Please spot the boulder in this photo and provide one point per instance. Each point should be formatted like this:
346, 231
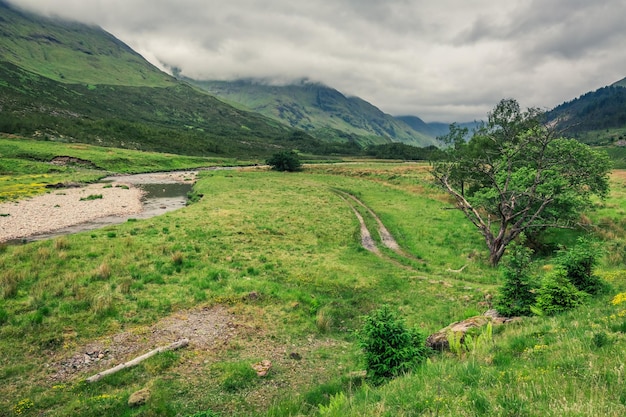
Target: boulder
439, 340
139, 398
262, 368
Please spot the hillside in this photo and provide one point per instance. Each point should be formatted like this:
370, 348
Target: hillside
620, 83
597, 117
434, 129
72, 52
319, 110
176, 119
70, 82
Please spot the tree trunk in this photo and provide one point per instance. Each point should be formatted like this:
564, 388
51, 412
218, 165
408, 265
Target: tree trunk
173, 346
496, 251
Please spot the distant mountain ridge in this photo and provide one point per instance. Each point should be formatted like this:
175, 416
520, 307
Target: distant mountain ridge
319, 110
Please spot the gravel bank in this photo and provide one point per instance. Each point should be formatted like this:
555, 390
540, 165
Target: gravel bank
63, 208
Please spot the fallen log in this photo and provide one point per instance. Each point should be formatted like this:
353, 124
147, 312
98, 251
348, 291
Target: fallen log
176, 345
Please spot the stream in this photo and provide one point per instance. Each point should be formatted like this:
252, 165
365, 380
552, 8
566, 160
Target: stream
162, 193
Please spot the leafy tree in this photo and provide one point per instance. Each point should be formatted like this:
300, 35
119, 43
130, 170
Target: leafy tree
285, 161
390, 348
517, 293
515, 174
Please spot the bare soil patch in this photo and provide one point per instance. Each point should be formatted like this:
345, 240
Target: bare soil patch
206, 329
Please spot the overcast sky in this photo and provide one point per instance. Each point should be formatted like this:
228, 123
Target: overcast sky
442, 60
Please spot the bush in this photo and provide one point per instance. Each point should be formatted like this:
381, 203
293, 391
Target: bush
557, 294
578, 262
390, 348
517, 293
285, 161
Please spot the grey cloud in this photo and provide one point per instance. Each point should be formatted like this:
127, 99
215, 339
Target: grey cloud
446, 60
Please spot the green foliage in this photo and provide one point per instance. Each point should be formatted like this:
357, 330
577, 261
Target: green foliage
579, 262
4, 316
516, 174
390, 348
557, 294
516, 294
285, 161
403, 151
600, 339
206, 413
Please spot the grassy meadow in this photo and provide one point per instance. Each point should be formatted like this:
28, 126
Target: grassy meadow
25, 169
281, 254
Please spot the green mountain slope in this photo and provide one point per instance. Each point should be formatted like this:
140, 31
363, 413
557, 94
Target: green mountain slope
620, 83
71, 82
175, 119
319, 110
597, 117
72, 52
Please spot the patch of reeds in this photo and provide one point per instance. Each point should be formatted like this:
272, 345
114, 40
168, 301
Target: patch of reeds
103, 272
102, 302
61, 243
9, 283
323, 321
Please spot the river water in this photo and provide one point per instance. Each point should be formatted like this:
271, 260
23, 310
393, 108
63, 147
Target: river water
163, 192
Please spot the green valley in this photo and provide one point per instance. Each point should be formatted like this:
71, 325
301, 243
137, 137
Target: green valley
272, 262
265, 280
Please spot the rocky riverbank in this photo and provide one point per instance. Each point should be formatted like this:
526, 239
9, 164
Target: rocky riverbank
67, 207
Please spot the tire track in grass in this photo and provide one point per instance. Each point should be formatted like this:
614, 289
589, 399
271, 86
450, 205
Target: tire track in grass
366, 237
389, 242
386, 237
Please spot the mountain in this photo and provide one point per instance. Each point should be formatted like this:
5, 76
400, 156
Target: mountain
597, 117
434, 129
72, 52
620, 83
321, 111
71, 82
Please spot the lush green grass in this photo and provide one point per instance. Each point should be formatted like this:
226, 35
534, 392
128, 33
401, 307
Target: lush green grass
293, 242
618, 153
569, 365
25, 167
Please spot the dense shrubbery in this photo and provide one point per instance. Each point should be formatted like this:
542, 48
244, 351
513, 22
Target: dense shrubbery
517, 293
565, 287
390, 348
403, 151
557, 294
578, 262
285, 161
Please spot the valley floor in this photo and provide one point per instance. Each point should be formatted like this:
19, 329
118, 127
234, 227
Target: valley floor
66, 207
